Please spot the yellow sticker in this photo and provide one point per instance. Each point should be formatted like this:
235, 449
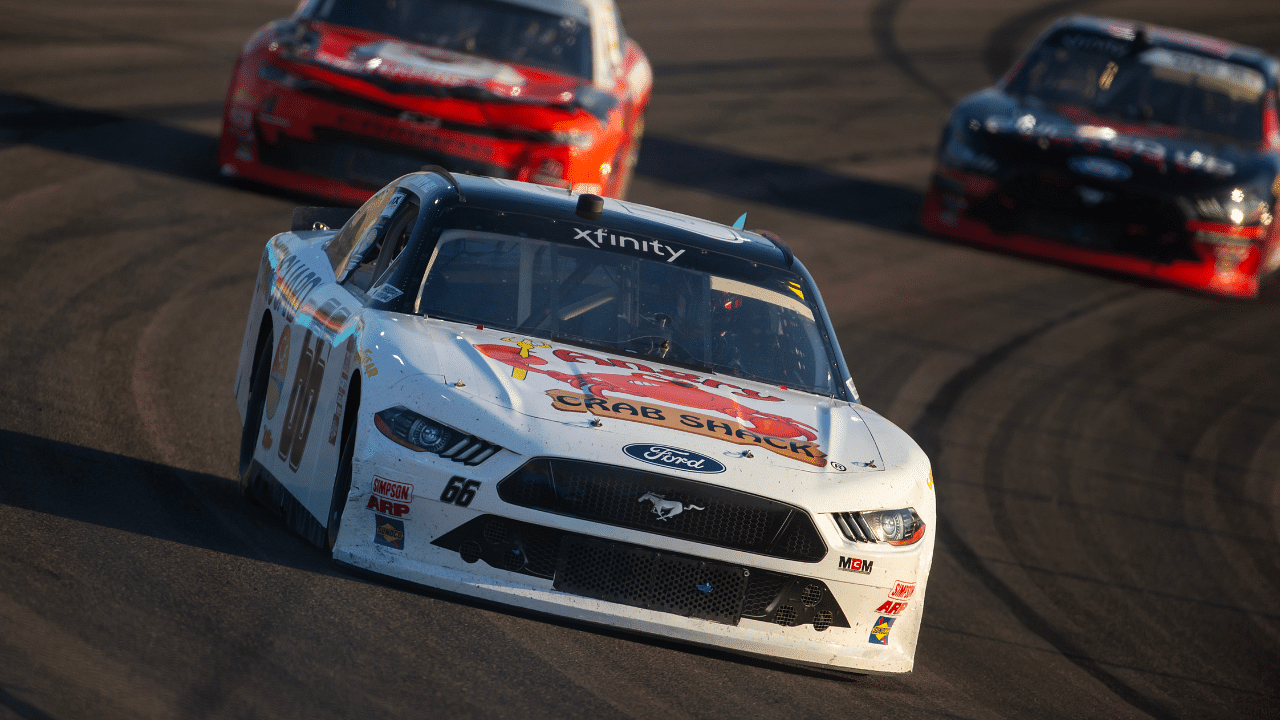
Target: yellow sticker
930, 478
795, 288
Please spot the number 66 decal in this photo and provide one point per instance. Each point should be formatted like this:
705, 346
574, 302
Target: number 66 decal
460, 492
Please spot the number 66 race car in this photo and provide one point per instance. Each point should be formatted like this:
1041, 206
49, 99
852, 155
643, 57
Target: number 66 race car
588, 408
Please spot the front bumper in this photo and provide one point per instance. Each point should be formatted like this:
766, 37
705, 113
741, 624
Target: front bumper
344, 148
1227, 268
858, 609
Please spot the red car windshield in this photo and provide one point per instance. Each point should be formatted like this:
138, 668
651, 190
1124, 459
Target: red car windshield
491, 29
1204, 97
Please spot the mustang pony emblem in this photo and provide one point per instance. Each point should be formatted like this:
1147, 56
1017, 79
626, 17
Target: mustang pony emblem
665, 508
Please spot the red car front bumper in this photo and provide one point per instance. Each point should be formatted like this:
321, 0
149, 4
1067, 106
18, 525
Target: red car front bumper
1231, 264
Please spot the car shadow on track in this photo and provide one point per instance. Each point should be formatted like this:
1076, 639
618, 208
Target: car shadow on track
206, 511
153, 146
149, 499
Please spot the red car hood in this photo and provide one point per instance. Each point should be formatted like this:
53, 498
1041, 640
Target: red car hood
384, 59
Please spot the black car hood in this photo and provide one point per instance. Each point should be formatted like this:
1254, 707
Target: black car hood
1029, 133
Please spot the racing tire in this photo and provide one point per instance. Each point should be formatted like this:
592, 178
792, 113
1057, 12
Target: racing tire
253, 416
341, 488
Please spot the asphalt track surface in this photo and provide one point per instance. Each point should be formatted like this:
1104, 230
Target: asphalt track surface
1106, 452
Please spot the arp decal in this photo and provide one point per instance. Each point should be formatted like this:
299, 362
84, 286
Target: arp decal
388, 532
388, 507
390, 497
600, 237
670, 457
880, 633
279, 368
855, 565
902, 590
777, 434
302, 400
889, 607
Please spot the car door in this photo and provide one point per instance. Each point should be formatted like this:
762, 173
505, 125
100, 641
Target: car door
327, 358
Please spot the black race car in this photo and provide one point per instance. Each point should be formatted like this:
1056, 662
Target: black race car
1135, 148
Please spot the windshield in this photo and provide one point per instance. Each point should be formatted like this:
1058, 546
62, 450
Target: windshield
487, 28
1202, 97
763, 331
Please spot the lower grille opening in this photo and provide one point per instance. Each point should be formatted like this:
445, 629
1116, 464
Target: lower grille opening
362, 162
643, 577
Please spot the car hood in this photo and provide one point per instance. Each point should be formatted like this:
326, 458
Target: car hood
400, 66
1028, 132
549, 393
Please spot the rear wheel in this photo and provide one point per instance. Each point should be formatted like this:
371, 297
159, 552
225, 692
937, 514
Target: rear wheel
341, 486
253, 414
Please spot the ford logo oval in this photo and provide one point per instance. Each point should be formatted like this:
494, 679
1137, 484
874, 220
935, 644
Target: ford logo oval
670, 457
1100, 168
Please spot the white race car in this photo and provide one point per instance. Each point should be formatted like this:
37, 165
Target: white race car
588, 408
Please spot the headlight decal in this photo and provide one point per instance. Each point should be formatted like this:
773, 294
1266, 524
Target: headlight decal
896, 527
420, 434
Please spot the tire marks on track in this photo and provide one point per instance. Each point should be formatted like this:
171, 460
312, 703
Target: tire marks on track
927, 432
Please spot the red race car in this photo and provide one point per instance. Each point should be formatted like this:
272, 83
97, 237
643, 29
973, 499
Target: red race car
1138, 149
347, 95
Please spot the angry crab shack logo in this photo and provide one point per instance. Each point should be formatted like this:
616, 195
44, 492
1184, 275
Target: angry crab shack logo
665, 398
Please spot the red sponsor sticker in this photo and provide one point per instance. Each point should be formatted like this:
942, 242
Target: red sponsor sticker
392, 489
388, 507
891, 608
902, 590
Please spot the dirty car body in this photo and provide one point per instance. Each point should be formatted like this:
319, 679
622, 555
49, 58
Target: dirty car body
347, 95
640, 419
1138, 149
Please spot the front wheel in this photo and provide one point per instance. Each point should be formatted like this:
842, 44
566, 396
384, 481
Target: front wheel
341, 488
253, 414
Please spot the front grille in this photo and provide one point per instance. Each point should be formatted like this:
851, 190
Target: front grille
643, 577
356, 102
362, 162
1057, 205
469, 450
854, 527
665, 505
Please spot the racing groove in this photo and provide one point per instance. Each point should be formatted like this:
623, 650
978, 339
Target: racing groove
1105, 452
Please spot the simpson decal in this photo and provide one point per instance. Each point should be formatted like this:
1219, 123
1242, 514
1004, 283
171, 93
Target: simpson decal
880, 633
683, 391
402, 492
388, 532
902, 590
